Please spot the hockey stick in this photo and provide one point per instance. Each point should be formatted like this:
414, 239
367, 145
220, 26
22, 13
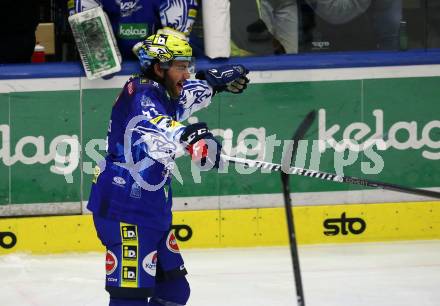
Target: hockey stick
325, 176
299, 134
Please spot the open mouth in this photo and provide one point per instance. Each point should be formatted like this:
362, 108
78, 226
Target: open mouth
179, 85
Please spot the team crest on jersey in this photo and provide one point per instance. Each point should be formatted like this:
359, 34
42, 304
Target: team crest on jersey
172, 243
149, 264
146, 101
111, 262
193, 94
158, 145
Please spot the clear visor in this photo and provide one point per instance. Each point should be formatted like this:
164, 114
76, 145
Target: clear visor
181, 64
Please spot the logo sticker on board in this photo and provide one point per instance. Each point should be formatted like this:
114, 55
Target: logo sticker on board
7, 240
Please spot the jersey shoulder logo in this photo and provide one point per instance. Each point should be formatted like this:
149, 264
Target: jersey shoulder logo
158, 145
146, 101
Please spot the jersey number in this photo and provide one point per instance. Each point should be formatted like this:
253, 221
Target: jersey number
151, 113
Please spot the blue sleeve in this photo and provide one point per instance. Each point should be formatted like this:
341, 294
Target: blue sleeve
196, 95
178, 14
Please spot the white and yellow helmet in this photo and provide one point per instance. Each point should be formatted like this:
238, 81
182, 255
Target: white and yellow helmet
163, 48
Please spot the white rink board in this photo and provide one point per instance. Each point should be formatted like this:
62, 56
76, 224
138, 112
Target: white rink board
379, 274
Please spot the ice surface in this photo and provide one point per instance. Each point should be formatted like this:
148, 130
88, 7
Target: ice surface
368, 274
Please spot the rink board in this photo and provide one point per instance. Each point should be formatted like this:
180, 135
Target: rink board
360, 103
240, 227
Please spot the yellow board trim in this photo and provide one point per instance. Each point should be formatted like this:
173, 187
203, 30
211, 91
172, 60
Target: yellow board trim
242, 227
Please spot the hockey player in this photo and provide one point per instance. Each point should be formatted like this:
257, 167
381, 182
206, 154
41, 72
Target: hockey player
135, 20
131, 196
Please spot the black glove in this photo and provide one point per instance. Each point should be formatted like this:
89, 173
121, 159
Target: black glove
231, 78
201, 145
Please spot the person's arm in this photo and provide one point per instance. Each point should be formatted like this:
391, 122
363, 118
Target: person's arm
197, 94
163, 138
178, 15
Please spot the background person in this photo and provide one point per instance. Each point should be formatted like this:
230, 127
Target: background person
281, 19
291, 26
385, 17
135, 20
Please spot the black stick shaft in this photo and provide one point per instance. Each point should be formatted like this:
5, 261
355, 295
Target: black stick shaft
293, 243
287, 160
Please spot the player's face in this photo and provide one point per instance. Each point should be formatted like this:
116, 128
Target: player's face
175, 76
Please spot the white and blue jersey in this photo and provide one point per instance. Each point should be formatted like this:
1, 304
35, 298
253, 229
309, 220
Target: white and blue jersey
133, 184
135, 20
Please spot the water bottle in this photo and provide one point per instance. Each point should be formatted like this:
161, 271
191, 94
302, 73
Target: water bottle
403, 36
39, 56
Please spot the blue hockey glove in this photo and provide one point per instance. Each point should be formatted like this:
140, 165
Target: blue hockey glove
231, 78
201, 145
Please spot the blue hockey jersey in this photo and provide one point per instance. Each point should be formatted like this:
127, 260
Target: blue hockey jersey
133, 183
135, 20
